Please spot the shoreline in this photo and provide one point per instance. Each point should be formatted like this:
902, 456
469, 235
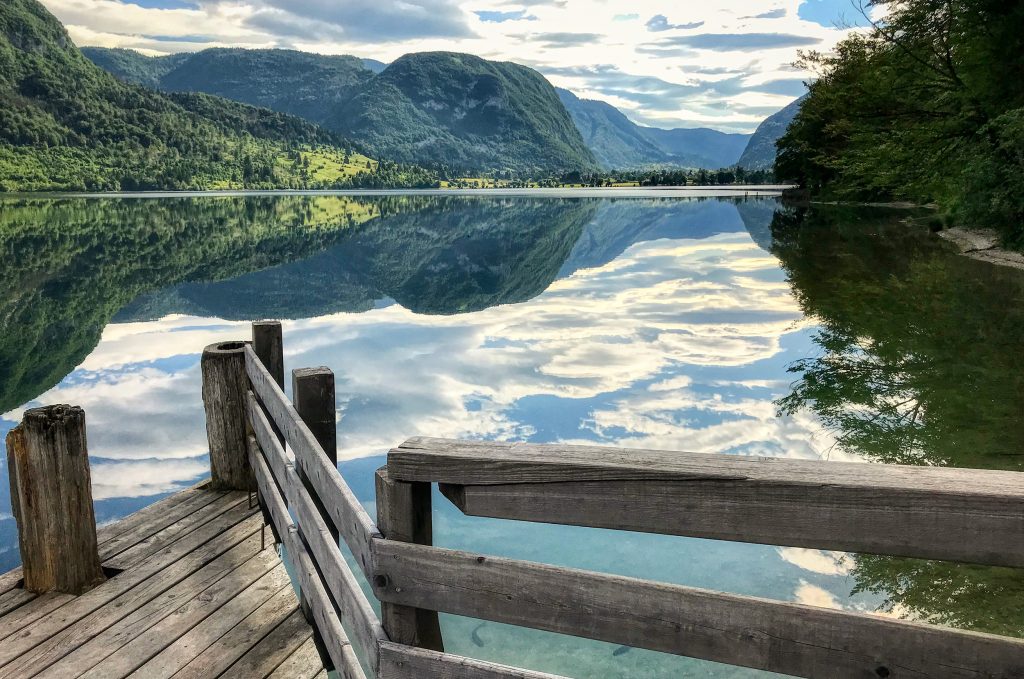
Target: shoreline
600, 192
982, 245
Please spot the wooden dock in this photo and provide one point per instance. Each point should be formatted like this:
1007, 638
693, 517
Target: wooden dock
193, 586
192, 591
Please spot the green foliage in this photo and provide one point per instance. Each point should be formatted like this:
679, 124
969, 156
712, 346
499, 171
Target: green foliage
68, 125
457, 110
927, 107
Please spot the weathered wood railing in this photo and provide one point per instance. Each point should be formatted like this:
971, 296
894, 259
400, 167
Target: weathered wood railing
962, 515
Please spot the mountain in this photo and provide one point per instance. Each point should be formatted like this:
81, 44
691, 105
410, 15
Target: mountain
619, 143
700, 147
464, 112
615, 140
430, 108
67, 124
760, 152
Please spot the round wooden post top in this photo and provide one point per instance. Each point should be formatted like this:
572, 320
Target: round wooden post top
54, 415
224, 348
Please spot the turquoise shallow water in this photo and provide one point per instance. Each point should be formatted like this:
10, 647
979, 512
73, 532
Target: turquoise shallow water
714, 325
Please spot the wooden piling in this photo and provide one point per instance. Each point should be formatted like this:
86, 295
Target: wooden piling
225, 386
314, 400
51, 498
403, 515
268, 343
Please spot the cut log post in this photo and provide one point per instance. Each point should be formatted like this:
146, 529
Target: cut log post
403, 515
225, 385
51, 498
314, 401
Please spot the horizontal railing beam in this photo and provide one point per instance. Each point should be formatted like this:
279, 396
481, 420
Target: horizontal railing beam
408, 662
949, 514
354, 609
777, 636
328, 624
344, 509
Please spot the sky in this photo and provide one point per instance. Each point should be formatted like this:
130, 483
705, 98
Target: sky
725, 64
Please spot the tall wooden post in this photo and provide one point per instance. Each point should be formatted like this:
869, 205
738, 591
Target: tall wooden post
268, 344
403, 514
314, 400
51, 497
225, 386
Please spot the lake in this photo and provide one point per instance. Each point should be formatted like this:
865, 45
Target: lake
712, 324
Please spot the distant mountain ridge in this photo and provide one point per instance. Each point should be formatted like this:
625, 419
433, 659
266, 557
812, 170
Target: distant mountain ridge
439, 108
619, 143
760, 152
436, 108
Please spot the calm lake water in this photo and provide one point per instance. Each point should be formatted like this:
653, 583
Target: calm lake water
723, 325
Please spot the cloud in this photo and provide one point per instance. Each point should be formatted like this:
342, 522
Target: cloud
770, 14
812, 595
373, 20
659, 22
726, 42
818, 561
565, 39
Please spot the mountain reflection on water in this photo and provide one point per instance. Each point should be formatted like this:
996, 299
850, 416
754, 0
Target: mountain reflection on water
715, 325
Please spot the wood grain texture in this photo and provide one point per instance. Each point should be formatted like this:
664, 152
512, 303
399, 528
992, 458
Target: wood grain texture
224, 393
341, 504
405, 662
134, 646
268, 345
780, 637
273, 649
88, 642
171, 658
233, 645
951, 514
191, 551
354, 609
304, 663
327, 622
51, 499
404, 514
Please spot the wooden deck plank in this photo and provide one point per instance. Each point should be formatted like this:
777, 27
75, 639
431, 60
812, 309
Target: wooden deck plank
198, 547
265, 656
139, 646
143, 526
304, 663
224, 652
106, 533
171, 533
14, 599
85, 643
186, 648
25, 615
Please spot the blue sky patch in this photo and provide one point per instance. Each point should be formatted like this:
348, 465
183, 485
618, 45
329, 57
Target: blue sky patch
501, 17
831, 13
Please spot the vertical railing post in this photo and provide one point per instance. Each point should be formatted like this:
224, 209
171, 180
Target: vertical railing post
225, 385
268, 345
51, 499
314, 400
403, 514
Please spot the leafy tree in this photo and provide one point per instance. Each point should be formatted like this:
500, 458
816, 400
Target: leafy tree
927, 106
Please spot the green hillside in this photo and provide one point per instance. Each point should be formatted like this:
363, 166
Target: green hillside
440, 108
66, 124
464, 112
